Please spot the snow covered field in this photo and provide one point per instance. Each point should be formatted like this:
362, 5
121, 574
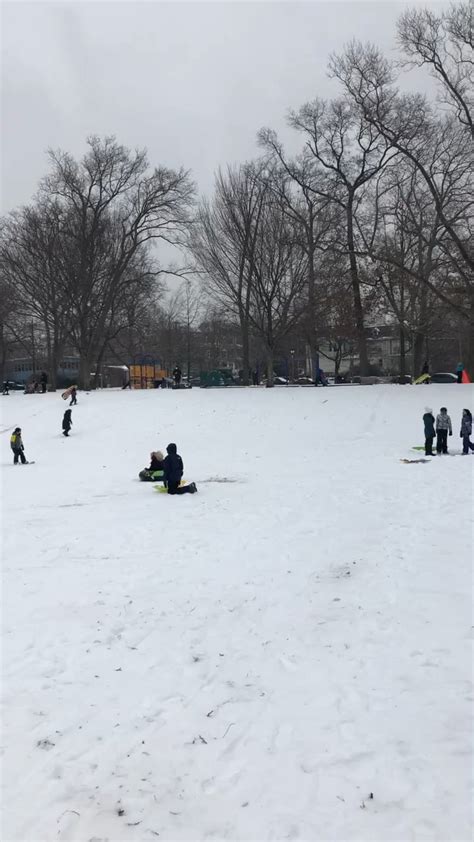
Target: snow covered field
253, 661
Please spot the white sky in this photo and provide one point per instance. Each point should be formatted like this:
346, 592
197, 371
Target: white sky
193, 82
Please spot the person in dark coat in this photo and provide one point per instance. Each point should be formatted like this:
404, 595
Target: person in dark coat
177, 374
73, 396
459, 371
429, 422
466, 430
174, 468
44, 382
6, 388
67, 422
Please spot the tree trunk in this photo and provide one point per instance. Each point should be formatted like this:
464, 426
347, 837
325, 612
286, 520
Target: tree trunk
270, 382
84, 372
469, 364
188, 353
358, 309
244, 328
418, 348
311, 328
403, 361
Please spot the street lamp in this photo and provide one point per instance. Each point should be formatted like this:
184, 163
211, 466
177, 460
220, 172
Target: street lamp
292, 352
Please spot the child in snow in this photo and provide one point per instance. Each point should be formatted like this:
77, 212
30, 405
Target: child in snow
73, 396
67, 422
155, 472
443, 426
429, 422
174, 468
16, 445
466, 430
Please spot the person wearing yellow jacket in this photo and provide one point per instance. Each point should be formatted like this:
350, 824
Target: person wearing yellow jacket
16, 444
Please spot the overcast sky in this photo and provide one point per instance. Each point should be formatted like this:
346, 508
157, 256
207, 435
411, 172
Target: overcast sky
193, 82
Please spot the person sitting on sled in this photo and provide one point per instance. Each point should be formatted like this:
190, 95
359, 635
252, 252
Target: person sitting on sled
155, 473
174, 469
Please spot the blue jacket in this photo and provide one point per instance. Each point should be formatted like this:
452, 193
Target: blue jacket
466, 425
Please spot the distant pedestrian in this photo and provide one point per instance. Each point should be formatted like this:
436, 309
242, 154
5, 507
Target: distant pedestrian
466, 431
459, 371
73, 396
177, 374
429, 422
44, 382
67, 422
16, 444
443, 426
6, 388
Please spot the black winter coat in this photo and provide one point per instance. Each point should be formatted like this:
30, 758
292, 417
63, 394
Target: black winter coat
428, 421
173, 468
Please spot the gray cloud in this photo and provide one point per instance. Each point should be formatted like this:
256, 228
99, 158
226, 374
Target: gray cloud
193, 82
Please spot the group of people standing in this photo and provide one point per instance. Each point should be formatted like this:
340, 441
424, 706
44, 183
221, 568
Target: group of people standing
442, 427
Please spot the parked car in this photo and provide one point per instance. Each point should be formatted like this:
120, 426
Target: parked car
15, 387
443, 377
304, 381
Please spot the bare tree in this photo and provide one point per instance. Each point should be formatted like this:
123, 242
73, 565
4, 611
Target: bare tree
294, 182
280, 279
223, 243
439, 148
33, 258
349, 153
444, 43
190, 309
114, 209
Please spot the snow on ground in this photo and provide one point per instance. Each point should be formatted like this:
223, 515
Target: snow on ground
251, 662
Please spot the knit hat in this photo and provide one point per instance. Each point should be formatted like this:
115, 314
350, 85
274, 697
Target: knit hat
428, 409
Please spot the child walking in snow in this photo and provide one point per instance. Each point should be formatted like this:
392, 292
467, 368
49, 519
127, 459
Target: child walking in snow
67, 422
16, 444
73, 396
443, 426
466, 430
174, 468
429, 422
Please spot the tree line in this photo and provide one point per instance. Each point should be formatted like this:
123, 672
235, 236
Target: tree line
370, 219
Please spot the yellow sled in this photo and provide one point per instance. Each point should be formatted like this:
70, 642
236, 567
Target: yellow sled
162, 489
421, 379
